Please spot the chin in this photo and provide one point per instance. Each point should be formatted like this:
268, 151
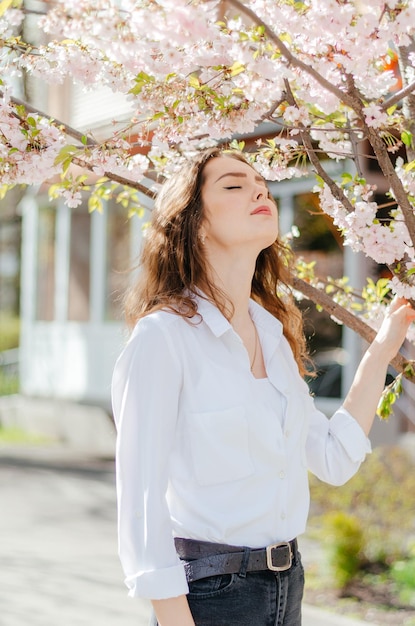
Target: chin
268, 241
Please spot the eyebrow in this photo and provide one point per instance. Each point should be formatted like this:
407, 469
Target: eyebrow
241, 175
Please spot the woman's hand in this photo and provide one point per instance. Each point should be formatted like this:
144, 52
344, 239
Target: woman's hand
392, 332
173, 612
369, 381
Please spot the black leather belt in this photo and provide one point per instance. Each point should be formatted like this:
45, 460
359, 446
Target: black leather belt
203, 559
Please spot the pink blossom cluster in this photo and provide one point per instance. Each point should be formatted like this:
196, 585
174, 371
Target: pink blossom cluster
200, 72
335, 143
10, 21
111, 43
384, 242
28, 149
118, 160
273, 159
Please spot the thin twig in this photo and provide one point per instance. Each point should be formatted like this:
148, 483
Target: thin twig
356, 324
118, 179
293, 60
75, 134
398, 96
68, 130
336, 191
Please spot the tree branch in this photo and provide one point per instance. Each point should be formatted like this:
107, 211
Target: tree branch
398, 96
343, 315
293, 60
408, 102
336, 191
68, 130
119, 179
76, 134
392, 178
385, 165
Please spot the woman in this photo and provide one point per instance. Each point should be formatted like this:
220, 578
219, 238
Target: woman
216, 428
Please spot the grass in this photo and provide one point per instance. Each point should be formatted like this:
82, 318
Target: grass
9, 384
17, 436
9, 331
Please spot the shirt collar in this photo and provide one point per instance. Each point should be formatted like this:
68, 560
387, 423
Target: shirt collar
212, 317
218, 323
264, 320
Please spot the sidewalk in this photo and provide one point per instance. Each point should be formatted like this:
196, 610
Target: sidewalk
59, 549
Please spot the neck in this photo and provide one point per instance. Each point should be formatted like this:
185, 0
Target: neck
233, 276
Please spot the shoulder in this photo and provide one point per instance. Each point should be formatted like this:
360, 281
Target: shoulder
154, 340
162, 321
160, 331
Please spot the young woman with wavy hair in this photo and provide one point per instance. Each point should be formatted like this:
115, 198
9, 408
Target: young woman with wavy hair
216, 427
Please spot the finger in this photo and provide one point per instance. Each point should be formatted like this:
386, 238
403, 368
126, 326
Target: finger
396, 303
400, 304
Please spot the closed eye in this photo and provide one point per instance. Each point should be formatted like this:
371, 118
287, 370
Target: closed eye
234, 187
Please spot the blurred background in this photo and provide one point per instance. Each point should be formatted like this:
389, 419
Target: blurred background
63, 273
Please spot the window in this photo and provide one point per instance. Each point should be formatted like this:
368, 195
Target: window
118, 260
45, 295
79, 265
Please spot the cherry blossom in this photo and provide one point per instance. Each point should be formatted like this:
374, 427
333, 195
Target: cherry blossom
314, 80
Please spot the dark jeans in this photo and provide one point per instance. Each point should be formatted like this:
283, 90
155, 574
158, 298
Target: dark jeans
258, 599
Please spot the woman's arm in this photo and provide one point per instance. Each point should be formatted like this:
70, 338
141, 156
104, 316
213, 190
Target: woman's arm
146, 389
173, 612
369, 381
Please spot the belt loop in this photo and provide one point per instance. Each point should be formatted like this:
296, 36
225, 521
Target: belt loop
244, 564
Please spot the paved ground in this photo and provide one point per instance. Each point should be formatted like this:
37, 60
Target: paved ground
58, 553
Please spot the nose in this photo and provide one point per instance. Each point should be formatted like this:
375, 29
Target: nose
260, 192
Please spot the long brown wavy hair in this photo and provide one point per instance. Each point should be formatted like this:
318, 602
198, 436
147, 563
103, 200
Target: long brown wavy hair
173, 266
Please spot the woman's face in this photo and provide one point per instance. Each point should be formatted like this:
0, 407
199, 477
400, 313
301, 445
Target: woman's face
238, 210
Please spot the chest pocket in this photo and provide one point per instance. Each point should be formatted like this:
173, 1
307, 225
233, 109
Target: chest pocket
220, 446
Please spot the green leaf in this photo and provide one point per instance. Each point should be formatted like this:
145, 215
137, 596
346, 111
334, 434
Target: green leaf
66, 152
4, 5
158, 115
237, 68
95, 204
406, 137
409, 166
194, 82
141, 80
409, 370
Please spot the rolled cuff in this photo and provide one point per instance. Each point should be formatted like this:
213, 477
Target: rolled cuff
350, 434
158, 584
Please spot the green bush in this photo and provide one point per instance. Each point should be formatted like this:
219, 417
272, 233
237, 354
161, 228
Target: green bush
344, 539
9, 332
403, 574
9, 384
381, 495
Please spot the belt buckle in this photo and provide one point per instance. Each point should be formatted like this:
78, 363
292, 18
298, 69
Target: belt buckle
289, 555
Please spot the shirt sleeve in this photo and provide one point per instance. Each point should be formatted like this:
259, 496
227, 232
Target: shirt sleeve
336, 447
145, 395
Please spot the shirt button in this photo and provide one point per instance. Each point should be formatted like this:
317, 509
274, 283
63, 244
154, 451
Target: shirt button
282, 515
282, 474
287, 433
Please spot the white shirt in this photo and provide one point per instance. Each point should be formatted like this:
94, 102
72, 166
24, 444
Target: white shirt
203, 453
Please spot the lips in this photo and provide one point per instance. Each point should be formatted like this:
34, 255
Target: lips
262, 210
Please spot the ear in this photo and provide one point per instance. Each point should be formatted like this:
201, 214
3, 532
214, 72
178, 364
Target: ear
202, 236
